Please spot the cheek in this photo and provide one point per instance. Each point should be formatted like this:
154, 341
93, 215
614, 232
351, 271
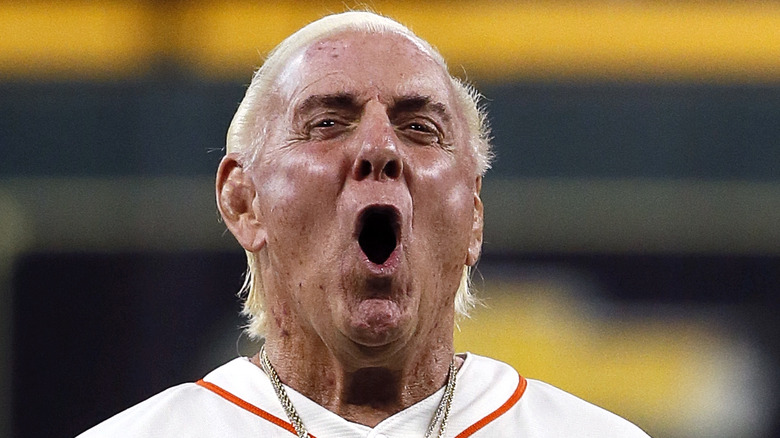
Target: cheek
446, 225
445, 197
445, 212
299, 193
276, 190
432, 167
457, 212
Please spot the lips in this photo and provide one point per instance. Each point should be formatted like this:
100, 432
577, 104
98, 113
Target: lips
378, 232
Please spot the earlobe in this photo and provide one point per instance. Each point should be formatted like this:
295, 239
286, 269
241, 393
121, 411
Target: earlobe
475, 242
236, 196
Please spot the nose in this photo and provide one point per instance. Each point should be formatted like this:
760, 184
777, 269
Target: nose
378, 157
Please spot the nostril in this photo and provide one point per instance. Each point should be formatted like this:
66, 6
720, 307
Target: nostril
392, 169
364, 169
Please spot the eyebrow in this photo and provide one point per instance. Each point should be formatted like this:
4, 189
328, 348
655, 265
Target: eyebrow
346, 101
417, 102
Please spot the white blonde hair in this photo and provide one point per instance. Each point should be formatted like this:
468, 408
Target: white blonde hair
247, 131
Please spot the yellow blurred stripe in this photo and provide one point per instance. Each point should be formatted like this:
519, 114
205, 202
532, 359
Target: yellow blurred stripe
662, 374
229, 39
630, 40
699, 41
101, 39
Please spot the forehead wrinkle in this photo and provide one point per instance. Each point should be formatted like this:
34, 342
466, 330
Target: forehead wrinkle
429, 80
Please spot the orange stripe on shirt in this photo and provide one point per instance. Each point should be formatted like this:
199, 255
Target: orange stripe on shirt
248, 406
513, 399
498, 412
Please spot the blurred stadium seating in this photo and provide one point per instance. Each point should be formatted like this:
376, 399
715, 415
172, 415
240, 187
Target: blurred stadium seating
632, 246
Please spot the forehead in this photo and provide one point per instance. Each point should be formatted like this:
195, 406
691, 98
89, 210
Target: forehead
385, 65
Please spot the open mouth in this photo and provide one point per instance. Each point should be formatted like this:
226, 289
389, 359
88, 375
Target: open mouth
378, 229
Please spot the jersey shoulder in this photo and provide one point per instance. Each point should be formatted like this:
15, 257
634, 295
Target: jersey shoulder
160, 415
187, 410
552, 409
212, 407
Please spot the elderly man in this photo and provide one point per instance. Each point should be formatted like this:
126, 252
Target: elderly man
352, 180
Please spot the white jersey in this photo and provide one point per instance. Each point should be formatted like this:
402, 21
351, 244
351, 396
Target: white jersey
491, 400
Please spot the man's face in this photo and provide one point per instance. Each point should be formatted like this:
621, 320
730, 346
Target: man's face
368, 193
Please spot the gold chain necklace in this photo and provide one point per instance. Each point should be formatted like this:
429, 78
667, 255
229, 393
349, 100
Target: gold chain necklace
440, 417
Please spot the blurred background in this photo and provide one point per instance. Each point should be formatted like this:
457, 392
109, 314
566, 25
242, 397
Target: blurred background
632, 246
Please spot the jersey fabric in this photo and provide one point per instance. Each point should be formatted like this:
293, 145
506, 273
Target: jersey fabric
491, 400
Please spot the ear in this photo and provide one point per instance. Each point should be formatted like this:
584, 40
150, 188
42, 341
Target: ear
475, 243
236, 195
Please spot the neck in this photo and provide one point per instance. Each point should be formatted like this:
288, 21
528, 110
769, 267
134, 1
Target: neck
367, 392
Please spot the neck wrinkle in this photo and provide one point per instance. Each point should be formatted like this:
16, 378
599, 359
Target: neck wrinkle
365, 395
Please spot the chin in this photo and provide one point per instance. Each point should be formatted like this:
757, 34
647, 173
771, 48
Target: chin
377, 323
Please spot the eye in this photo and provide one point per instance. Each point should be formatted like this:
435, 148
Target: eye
419, 127
423, 132
324, 124
327, 123
326, 127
